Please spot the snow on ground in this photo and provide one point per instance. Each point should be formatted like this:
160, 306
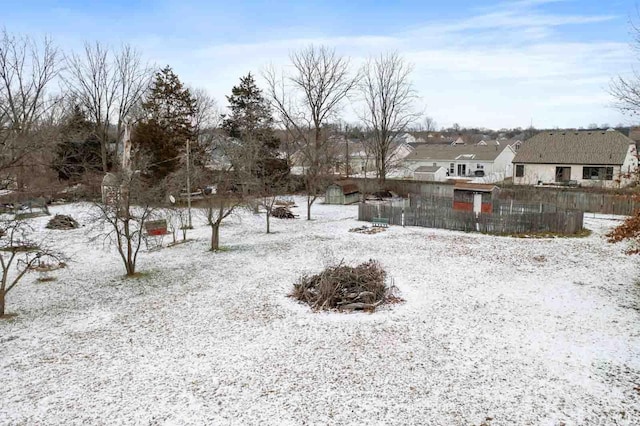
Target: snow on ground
522, 331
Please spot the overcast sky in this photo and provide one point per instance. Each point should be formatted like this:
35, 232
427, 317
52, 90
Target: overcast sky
478, 63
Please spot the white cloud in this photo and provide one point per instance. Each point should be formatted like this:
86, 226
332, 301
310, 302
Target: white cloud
500, 67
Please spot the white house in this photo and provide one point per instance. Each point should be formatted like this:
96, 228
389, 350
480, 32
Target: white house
587, 158
464, 160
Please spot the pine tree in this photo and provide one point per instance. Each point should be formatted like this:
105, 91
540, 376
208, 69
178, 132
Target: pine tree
161, 137
250, 119
78, 149
251, 123
258, 167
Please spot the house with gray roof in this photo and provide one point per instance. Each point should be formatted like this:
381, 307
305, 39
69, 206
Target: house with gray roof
463, 160
587, 158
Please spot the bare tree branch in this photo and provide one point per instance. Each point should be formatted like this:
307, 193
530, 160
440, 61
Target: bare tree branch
27, 68
389, 98
306, 101
108, 84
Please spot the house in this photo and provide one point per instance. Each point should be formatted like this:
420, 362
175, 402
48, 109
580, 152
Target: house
353, 153
464, 160
599, 158
342, 192
399, 151
430, 173
459, 141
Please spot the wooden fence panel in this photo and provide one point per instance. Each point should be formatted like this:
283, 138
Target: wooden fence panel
429, 216
575, 199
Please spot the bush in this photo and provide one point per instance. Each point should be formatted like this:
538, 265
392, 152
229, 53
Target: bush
341, 287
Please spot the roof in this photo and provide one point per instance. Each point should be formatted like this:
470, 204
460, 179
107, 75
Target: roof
428, 169
478, 187
575, 147
347, 187
455, 152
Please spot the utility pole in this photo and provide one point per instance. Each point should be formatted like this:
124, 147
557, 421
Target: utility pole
189, 225
346, 142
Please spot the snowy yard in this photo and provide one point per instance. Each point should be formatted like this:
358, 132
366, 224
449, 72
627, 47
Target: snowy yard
496, 330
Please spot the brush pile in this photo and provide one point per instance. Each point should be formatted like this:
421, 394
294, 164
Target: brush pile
61, 221
282, 213
368, 230
347, 288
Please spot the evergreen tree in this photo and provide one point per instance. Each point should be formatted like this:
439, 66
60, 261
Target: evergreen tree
78, 149
251, 123
161, 137
250, 119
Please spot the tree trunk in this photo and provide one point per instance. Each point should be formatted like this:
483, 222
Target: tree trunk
215, 236
131, 268
131, 264
268, 216
2, 294
308, 209
103, 154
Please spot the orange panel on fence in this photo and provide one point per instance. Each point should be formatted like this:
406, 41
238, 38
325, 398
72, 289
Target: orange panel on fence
463, 206
468, 207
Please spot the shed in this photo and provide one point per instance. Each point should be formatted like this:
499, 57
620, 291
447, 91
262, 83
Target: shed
474, 197
430, 173
342, 192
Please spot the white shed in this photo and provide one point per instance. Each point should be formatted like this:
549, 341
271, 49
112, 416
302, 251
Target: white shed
430, 173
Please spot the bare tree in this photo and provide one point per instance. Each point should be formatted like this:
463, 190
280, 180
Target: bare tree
27, 69
20, 254
306, 101
388, 96
108, 84
269, 187
207, 114
219, 203
133, 78
429, 124
127, 206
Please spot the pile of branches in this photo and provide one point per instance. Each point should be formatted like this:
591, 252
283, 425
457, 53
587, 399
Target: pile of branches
341, 287
61, 221
367, 230
282, 213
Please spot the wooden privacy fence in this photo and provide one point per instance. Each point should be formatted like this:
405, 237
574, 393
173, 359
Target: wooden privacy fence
625, 202
593, 202
497, 205
567, 222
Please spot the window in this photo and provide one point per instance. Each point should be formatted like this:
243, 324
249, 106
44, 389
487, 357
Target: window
452, 168
597, 173
519, 170
435, 164
563, 174
480, 166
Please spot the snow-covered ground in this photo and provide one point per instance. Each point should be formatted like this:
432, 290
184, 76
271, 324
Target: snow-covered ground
497, 330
